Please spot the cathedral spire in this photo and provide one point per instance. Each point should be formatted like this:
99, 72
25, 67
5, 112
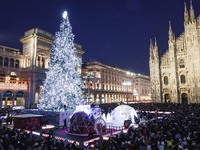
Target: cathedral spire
151, 50
155, 49
186, 16
192, 16
151, 44
155, 43
170, 32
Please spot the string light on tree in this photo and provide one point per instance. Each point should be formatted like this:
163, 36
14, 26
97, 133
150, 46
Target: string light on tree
62, 88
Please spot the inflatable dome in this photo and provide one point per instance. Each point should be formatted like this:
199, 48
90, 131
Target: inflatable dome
122, 113
86, 119
81, 123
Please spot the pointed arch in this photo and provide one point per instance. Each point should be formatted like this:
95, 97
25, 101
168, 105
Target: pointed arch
166, 80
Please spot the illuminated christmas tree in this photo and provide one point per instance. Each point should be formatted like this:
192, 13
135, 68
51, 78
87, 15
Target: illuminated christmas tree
62, 87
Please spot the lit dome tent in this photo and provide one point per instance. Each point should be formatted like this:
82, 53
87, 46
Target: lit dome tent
122, 113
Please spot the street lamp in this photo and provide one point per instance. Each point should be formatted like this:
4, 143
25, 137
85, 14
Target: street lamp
135, 94
88, 77
126, 83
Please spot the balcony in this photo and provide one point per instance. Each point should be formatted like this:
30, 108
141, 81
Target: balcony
13, 86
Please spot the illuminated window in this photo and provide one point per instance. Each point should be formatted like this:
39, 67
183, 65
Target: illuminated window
13, 74
98, 75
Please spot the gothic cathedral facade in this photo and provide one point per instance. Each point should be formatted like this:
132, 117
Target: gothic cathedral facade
175, 76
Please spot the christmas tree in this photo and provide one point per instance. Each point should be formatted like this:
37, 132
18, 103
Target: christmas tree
62, 87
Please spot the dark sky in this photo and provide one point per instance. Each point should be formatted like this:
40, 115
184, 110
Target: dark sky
114, 32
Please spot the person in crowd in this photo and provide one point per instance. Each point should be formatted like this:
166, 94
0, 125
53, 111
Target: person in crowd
64, 123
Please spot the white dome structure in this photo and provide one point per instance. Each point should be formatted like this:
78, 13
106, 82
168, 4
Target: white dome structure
122, 113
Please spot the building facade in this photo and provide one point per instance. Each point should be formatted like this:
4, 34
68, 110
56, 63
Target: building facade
175, 76
22, 73
12, 87
107, 84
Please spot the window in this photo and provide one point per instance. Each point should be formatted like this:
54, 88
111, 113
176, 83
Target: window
43, 62
181, 63
182, 78
11, 62
1, 61
28, 62
166, 80
13, 74
6, 61
17, 64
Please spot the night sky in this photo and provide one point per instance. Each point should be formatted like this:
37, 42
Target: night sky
114, 32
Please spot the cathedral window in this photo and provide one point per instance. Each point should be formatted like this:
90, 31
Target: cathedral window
181, 63
166, 80
182, 79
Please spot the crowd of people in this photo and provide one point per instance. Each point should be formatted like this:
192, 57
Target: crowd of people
13, 139
177, 130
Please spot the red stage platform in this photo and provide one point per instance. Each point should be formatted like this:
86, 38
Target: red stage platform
28, 121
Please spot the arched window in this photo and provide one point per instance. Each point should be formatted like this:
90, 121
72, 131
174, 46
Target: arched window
181, 63
166, 80
11, 62
5, 61
19, 94
183, 79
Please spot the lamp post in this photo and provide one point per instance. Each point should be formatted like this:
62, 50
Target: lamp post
88, 77
135, 94
126, 83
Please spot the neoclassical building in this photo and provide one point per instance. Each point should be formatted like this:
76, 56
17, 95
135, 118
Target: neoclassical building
22, 72
175, 76
108, 84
